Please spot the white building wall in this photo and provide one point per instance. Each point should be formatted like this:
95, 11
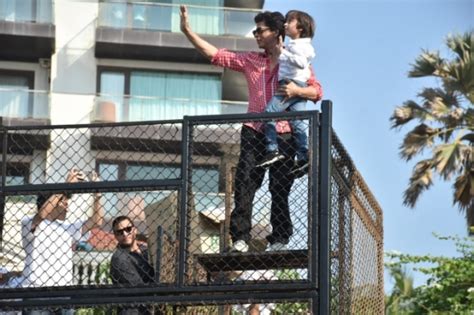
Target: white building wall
73, 86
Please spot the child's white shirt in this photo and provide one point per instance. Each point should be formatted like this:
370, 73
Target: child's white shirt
295, 60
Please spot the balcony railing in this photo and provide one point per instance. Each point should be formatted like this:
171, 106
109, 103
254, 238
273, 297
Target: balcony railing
32, 11
142, 108
165, 17
22, 103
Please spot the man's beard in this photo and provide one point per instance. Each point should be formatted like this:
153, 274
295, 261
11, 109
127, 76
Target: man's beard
126, 246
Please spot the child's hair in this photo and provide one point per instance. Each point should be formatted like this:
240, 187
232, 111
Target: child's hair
305, 22
274, 20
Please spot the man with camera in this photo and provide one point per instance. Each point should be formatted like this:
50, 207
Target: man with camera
48, 238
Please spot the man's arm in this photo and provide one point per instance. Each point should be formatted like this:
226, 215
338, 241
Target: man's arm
312, 92
97, 217
205, 48
53, 201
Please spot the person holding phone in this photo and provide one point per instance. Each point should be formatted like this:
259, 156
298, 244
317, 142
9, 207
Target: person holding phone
48, 238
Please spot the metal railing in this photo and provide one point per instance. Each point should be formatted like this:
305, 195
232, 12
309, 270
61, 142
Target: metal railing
31, 11
176, 180
165, 17
24, 104
130, 108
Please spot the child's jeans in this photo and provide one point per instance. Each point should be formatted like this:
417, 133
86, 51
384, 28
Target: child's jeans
299, 127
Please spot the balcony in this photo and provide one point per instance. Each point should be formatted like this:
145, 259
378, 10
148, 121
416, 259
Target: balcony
26, 30
150, 31
111, 108
24, 107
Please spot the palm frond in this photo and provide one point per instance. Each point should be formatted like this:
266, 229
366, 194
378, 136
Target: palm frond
461, 69
447, 158
409, 111
420, 180
427, 64
461, 44
469, 118
438, 100
464, 190
417, 140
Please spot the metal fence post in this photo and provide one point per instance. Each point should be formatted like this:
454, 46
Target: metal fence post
184, 199
324, 282
4, 133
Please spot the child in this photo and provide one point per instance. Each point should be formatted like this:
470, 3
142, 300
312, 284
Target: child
294, 63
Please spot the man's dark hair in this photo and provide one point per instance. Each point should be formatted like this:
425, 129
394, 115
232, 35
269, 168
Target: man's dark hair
305, 22
119, 219
43, 197
274, 20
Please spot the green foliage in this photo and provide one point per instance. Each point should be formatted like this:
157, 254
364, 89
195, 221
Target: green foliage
99, 310
449, 288
444, 118
293, 307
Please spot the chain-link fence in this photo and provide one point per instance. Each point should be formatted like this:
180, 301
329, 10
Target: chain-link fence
143, 218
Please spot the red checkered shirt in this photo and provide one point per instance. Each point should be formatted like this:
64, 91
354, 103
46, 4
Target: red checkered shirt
262, 83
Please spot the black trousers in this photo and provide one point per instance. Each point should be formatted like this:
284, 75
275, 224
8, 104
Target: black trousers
248, 180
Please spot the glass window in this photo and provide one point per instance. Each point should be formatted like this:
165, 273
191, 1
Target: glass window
203, 20
205, 184
15, 98
26, 11
112, 88
157, 95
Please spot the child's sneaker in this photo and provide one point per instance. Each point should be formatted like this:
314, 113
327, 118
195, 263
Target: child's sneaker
239, 246
300, 168
271, 158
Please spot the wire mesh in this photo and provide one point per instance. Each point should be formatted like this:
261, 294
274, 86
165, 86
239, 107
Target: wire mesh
63, 186
356, 240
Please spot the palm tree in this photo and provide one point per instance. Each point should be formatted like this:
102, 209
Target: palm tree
399, 301
444, 124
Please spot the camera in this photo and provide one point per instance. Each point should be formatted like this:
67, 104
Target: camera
81, 176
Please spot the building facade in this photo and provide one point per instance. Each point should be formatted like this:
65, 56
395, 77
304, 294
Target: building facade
78, 62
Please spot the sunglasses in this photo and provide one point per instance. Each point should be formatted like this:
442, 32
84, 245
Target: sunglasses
259, 30
125, 230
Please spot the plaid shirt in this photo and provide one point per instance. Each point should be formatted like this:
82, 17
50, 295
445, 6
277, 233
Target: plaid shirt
262, 83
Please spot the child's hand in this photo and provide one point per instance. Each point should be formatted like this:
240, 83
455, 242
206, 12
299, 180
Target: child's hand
281, 44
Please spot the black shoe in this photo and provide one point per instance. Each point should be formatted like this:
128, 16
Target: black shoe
271, 158
300, 168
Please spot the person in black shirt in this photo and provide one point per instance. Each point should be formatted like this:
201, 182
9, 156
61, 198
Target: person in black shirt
129, 265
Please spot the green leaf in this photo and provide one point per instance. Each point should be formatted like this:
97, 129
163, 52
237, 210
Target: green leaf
447, 159
421, 179
417, 140
464, 190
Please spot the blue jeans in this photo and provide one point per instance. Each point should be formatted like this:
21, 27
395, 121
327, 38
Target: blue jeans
299, 127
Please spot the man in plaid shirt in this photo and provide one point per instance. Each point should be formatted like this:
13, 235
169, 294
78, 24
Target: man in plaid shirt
261, 72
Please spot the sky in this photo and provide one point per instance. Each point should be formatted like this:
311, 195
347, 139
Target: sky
364, 49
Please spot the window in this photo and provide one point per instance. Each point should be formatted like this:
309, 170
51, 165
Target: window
206, 16
205, 183
17, 174
151, 95
26, 11
15, 97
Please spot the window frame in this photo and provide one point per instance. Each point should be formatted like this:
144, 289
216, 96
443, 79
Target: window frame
30, 77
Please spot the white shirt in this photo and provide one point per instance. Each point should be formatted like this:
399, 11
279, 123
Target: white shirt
49, 252
295, 60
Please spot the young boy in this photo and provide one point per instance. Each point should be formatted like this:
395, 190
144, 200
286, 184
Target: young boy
294, 62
